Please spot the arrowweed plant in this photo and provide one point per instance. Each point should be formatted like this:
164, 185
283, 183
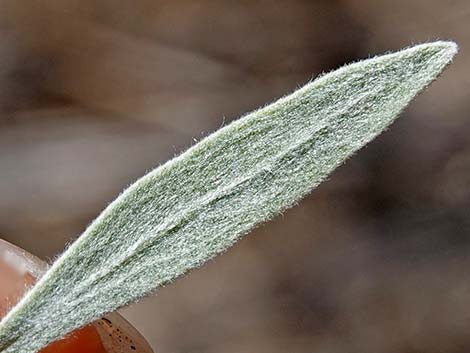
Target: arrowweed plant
198, 204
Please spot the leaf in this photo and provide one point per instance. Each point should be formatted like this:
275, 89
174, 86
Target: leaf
197, 205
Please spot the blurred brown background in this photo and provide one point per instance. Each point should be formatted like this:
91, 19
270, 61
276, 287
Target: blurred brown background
95, 93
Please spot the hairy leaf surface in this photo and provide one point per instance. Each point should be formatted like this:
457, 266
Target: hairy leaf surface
198, 204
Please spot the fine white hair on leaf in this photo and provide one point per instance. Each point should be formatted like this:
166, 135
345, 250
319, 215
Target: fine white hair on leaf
198, 204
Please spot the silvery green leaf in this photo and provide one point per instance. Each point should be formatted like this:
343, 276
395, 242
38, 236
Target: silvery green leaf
197, 205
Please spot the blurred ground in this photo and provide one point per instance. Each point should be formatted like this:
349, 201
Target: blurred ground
94, 93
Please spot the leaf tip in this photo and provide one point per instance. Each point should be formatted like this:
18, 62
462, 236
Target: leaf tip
447, 48
444, 51
431, 59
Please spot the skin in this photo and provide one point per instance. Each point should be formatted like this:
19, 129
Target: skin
112, 334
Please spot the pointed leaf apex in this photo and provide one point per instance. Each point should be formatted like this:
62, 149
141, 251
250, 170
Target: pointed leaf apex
442, 52
448, 48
